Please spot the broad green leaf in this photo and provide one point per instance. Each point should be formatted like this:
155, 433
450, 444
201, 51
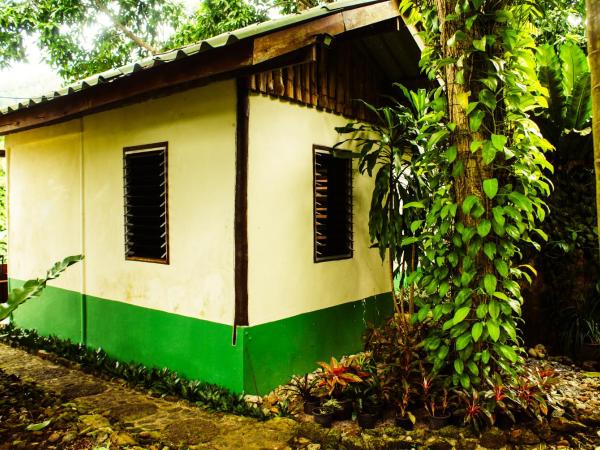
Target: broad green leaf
423, 311
414, 226
487, 98
520, 200
488, 153
493, 330
498, 213
475, 120
489, 248
476, 331
465, 381
498, 141
484, 227
468, 203
451, 153
460, 314
579, 104
485, 356
508, 352
494, 309
481, 311
574, 63
463, 341
479, 44
442, 352
490, 187
501, 267
473, 368
459, 366
489, 283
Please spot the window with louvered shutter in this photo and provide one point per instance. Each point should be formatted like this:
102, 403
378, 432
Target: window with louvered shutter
146, 213
332, 205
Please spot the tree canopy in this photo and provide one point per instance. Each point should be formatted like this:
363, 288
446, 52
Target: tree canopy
82, 37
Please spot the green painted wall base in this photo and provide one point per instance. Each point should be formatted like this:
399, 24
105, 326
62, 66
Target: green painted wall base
263, 357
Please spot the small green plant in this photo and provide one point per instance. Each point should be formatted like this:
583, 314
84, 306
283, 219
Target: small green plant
34, 288
161, 381
304, 388
593, 331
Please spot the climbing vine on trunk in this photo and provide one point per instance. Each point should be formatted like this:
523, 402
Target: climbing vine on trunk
488, 159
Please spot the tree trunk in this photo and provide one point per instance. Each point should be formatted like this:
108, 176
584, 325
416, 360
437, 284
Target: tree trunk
593, 29
471, 180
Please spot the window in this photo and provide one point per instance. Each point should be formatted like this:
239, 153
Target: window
332, 184
145, 182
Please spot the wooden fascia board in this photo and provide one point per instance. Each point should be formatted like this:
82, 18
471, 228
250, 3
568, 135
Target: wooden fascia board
284, 41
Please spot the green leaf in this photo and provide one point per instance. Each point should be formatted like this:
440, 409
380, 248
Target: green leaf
489, 248
479, 44
451, 153
498, 141
490, 187
579, 104
418, 205
493, 330
498, 213
443, 352
494, 309
423, 311
468, 203
473, 368
476, 331
489, 152
414, 226
465, 381
485, 356
458, 36
39, 426
520, 200
508, 352
460, 314
463, 341
458, 366
484, 227
574, 63
475, 120
501, 267
481, 310
489, 283
487, 98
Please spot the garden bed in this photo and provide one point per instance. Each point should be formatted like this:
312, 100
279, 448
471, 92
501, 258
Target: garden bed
575, 424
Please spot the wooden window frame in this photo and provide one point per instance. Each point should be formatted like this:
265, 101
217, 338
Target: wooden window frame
154, 146
316, 258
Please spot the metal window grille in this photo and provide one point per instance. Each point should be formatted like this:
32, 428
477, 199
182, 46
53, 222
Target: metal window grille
146, 212
332, 185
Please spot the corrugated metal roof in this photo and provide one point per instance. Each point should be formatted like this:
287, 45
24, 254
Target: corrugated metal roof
221, 40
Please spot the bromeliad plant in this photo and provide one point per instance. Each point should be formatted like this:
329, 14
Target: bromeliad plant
335, 377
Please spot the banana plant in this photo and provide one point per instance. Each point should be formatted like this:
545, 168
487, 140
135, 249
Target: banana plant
34, 288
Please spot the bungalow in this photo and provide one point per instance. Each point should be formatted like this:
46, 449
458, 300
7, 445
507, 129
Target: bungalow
221, 237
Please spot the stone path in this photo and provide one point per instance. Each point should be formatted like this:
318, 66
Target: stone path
105, 406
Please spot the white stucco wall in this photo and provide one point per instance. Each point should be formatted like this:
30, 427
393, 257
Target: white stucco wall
44, 191
283, 279
199, 126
